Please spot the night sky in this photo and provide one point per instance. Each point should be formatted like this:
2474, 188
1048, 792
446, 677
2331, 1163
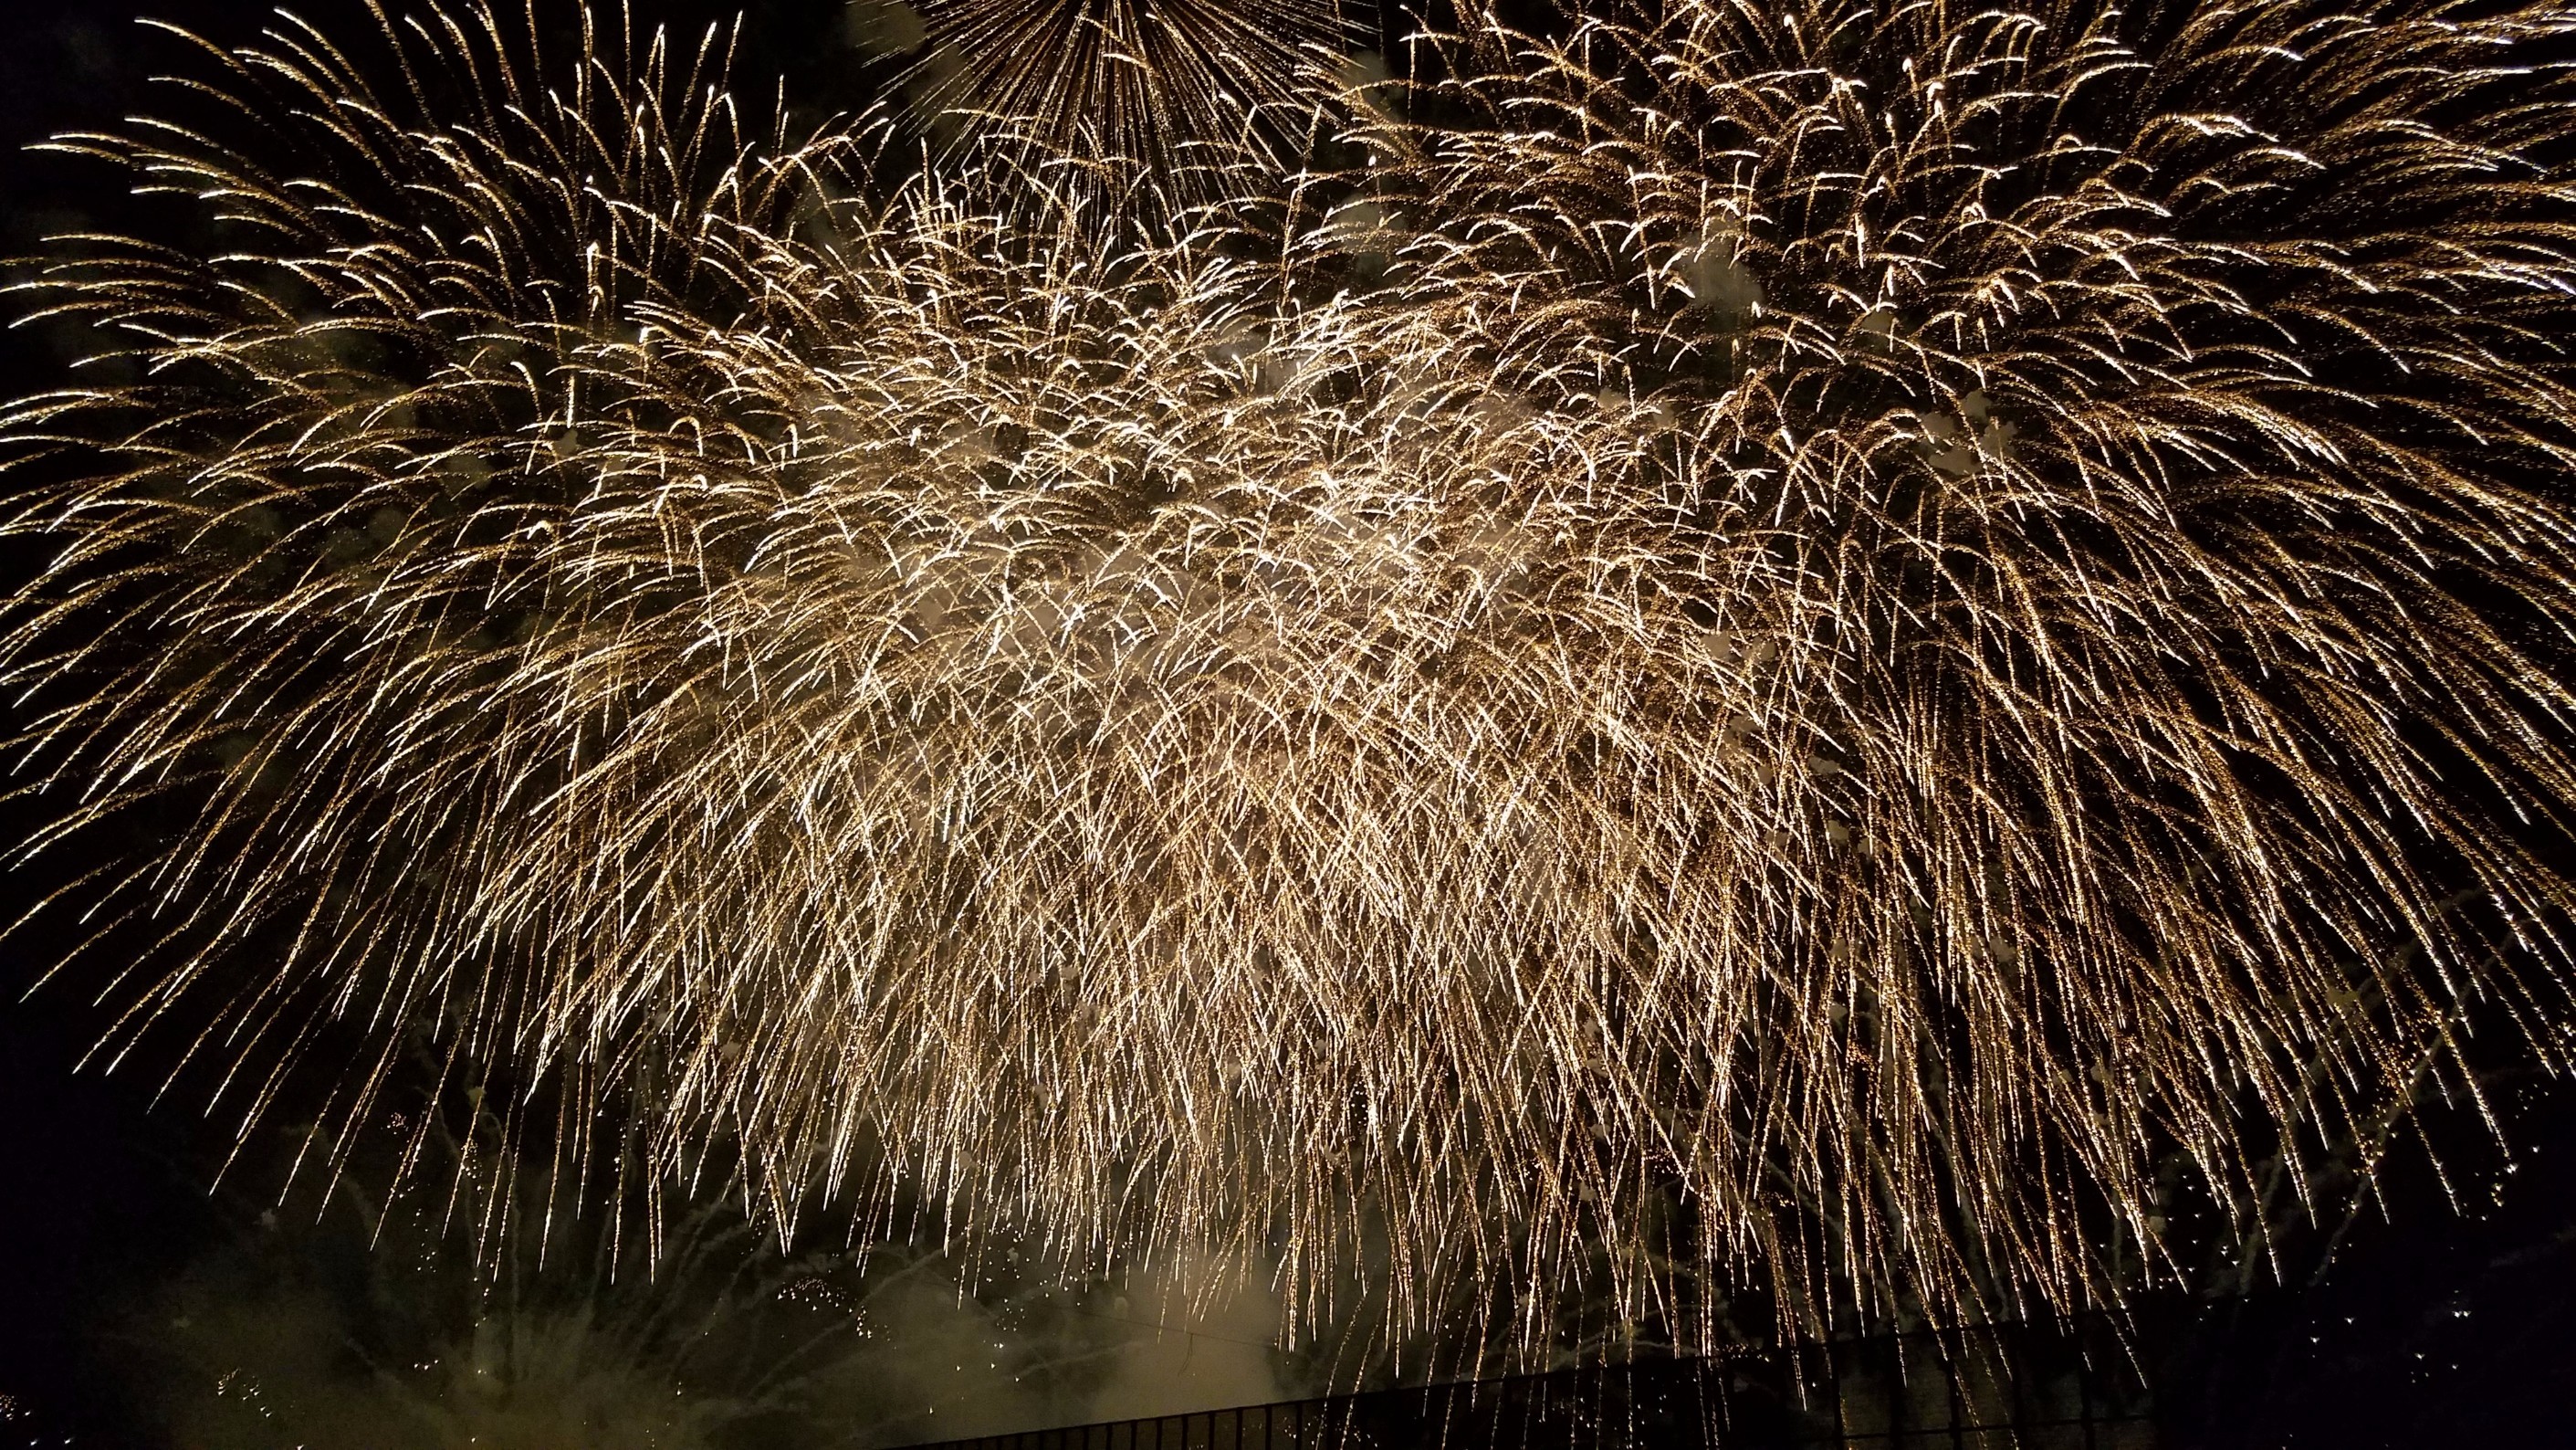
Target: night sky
2434, 1328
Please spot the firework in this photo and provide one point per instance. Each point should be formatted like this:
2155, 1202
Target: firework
2115, 467
342, 475
1182, 87
1792, 642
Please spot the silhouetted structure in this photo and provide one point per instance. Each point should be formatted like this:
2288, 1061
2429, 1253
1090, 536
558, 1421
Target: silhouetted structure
2011, 1387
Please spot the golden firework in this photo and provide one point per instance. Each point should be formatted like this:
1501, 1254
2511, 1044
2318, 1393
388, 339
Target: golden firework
2117, 469
1182, 88
1782, 642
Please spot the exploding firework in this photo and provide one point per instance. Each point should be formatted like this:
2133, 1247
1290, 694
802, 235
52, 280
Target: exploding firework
354, 443
1183, 87
2115, 460
1791, 642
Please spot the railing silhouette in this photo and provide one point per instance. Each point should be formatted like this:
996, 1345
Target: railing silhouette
2012, 1387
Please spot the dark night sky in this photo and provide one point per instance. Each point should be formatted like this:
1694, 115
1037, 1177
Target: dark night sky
96, 1195
2437, 1329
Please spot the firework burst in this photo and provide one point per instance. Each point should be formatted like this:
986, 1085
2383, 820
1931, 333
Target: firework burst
1794, 642
2116, 459
1181, 87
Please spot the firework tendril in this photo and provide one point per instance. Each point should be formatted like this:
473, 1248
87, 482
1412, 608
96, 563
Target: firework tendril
1180, 88
1783, 643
